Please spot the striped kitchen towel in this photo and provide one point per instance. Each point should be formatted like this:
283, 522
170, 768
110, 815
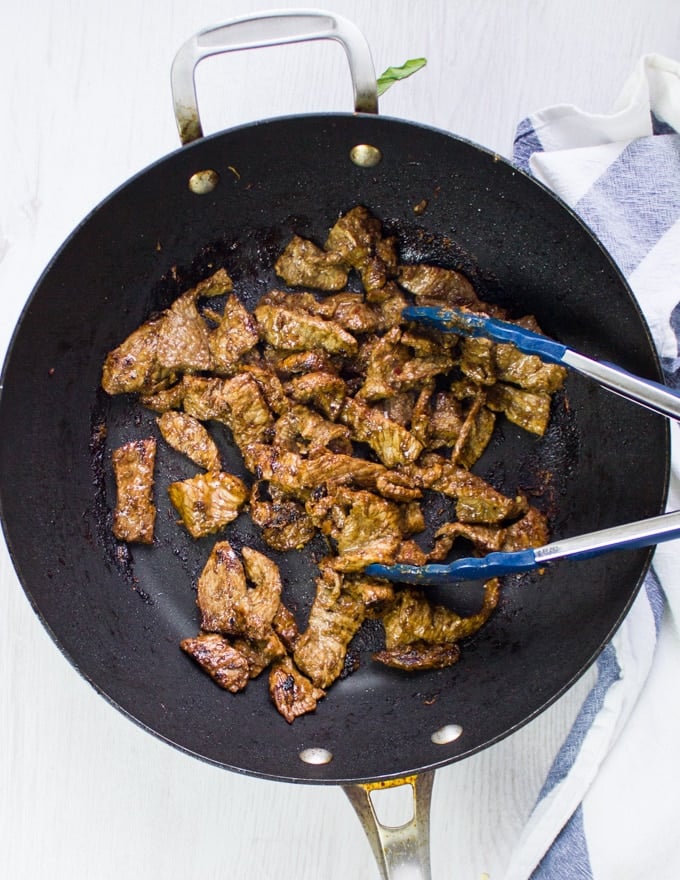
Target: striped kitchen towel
609, 807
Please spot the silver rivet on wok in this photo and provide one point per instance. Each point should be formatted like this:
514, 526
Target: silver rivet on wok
446, 734
365, 155
316, 756
203, 182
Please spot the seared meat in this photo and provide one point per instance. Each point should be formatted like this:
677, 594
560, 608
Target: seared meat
222, 589
392, 444
133, 366
264, 596
335, 616
297, 330
434, 285
357, 238
224, 663
303, 430
527, 370
528, 409
207, 502
183, 338
237, 402
292, 693
186, 434
261, 653
134, 516
303, 264
529, 531
419, 655
235, 335
325, 391
284, 522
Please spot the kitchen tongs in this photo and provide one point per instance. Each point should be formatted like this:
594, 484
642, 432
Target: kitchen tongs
643, 533
651, 394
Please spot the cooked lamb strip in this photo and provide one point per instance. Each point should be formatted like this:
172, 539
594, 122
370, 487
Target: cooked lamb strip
325, 391
527, 370
214, 285
418, 656
476, 500
285, 626
237, 402
410, 553
371, 531
207, 502
335, 616
222, 592
528, 409
264, 597
529, 531
187, 435
440, 286
392, 444
261, 653
134, 515
303, 264
478, 361
358, 238
481, 424
413, 618
164, 399
133, 366
270, 385
297, 330
485, 539
292, 693
303, 430
300, 363
223, 662
376, 594
183, 338
385, 357
284, 522
233, 337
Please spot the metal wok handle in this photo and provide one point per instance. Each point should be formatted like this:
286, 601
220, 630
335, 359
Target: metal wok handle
269, 29
402, 852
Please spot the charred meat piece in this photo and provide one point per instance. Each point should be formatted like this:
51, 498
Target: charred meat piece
392, 443
296, 330
183, 338
303, 430
303, 264
527, 370
224, 663
334, 618
133, 366
261, 653
187, 435
207, 502
325, 391
419, 655
357, 238
164, 399
237, 402
264, 596
235, 335
284, 522
222, 590
134, 516
529, 531
413, 619
434, 285
528, 409
292, 693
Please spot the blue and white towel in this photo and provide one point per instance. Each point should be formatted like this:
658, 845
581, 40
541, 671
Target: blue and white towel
610, 806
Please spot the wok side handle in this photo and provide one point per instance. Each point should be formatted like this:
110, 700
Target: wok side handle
402, 852
269, 29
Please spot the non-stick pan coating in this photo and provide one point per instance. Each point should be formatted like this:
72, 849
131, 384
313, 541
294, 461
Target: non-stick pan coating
119, 614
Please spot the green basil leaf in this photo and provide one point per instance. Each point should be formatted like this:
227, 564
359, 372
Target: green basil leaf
394, 74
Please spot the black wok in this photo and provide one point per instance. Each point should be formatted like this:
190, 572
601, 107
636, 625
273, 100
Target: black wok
118, 614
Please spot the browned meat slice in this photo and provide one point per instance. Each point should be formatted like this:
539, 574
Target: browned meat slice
478, 361
133, 366
485, 539
303, 264
207, 502
237, 402
297, 330
350, 311
235, 335
285, 626
284, 522
419, 655
270, 385
392, 443
476, 500
303, 430
222, 591
223, 662
299, 363
261, 653
325, 391
385, 358
292, 693
528, 409
365, 527
134, 516
335, 616
164, 399
264, 597
529, 531
474, 436
527, 370
183, 338
357, 237
439, 286
215, 285
187, 435
413, 618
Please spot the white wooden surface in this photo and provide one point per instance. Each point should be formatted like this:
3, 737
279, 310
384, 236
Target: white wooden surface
83, 792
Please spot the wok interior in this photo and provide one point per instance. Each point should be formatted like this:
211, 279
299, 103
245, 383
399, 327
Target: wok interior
119, 613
